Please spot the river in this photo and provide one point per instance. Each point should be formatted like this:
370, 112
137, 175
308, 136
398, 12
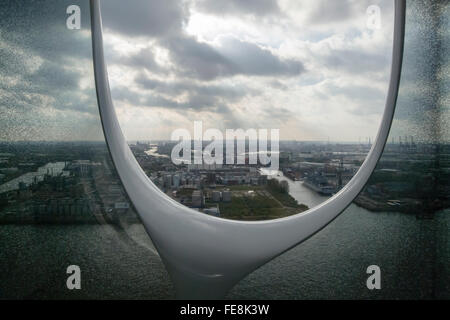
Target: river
413, 255
153, 151
297, 190
51, 168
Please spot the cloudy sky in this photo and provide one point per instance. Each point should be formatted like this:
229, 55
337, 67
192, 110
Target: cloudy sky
46, 80
310, 68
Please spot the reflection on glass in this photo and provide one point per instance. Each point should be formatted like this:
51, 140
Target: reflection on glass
54, 163
413, 174
61, 202
400, 222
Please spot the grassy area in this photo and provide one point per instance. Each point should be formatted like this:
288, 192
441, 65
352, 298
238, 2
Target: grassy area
263, 204
255, 207
287, 200
280, 191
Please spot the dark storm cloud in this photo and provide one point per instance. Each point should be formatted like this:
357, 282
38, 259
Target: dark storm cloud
39, 77
36, 45
194, 103
255, 7
136, 98
41, 66
194, 96
179, 95
81, 101
278, 116
177, 88
143, 17
143, 59
254, 60
356, 92
327, 11
163, 21
40, 28
197, 59
278, 85
355, 61
369, 100
234, 57
52, 76
11, 62
193, 63
36, 62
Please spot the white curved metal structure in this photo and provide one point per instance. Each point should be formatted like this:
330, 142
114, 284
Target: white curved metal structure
205, 255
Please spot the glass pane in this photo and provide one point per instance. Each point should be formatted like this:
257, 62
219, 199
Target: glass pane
61, 202
400, 222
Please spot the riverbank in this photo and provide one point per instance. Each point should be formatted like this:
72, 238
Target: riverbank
254, 203
414, 207
299, 191
401, 205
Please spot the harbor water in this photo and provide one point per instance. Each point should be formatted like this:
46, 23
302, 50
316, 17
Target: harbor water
119, 263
